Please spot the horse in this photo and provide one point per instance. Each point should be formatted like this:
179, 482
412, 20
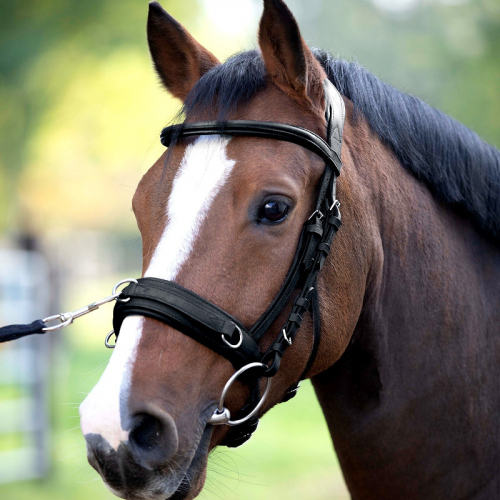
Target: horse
408, 361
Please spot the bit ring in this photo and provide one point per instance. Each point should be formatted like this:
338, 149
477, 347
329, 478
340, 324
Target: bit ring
222, 416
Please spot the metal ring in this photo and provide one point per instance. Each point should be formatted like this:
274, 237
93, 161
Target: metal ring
238, 344
319, 213
122, 282
64, 322
336, 203
222, 416
108, 337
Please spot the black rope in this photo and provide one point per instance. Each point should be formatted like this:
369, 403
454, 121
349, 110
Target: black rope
14, 332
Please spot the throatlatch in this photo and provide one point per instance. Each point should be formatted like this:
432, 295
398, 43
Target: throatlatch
208, 324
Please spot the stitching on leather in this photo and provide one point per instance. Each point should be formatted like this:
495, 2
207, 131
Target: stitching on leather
177, 291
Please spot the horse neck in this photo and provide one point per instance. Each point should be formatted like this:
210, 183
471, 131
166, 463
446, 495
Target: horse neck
413, 403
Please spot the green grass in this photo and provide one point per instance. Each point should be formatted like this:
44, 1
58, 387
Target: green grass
290, 456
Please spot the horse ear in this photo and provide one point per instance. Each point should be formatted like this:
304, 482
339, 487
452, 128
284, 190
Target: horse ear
288, 59
179, 59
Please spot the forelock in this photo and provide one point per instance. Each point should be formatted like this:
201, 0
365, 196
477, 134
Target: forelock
227, 86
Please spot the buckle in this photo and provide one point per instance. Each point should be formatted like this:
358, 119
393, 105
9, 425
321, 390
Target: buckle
318, 213
335, 205
286, 337
240, 341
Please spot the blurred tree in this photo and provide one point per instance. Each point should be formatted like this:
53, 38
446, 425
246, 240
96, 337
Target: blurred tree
80, 104
42, 45
443, 51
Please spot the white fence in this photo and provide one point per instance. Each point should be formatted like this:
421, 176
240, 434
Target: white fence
24, 367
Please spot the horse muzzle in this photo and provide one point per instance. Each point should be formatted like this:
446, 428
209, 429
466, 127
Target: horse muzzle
150, 465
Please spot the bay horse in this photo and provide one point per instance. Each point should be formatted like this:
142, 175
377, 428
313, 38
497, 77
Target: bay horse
408, 364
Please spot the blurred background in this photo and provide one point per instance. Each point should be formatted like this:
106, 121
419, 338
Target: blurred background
80, 114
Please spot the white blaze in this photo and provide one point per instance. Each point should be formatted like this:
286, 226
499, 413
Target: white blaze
100, 411
204, 169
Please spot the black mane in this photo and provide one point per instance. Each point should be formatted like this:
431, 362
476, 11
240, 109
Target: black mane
455, 163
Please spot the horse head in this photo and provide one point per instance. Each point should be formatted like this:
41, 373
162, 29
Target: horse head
220, 216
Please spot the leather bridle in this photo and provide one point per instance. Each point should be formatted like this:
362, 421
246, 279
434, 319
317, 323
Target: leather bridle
208, 324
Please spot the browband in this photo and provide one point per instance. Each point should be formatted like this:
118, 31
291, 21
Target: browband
249, 128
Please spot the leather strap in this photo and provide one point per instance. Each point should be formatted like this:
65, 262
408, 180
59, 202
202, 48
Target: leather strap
291, 392
316, 334
189, 313
250, 128
311, 236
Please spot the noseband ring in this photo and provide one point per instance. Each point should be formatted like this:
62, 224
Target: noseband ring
122, 282
240, 341
107, 340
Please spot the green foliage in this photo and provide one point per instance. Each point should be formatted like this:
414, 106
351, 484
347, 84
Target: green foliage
443, 51
43, 43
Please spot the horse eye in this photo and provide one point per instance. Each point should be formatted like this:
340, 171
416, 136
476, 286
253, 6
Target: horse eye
273, 211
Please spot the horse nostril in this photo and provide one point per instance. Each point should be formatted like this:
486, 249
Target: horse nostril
153, 438
147, 432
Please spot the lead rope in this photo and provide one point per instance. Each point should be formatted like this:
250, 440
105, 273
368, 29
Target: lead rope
41, 326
